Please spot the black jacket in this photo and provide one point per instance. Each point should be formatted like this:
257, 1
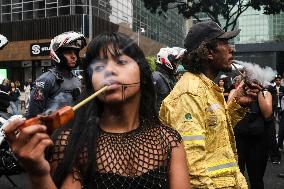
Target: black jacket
164, 81
52, 91
275, 98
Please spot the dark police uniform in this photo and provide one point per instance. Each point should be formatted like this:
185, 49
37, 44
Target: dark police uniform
52, 91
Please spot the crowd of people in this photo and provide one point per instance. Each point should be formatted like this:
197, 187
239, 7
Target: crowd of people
182, 126
17, 93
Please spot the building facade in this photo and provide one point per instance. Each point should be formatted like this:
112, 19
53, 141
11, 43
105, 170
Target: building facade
259, 28
30, 24
168, 29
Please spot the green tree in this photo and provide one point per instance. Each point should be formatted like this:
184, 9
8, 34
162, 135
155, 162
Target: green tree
152, 62
230, 10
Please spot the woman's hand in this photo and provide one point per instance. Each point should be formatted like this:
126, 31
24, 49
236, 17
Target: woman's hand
29, 144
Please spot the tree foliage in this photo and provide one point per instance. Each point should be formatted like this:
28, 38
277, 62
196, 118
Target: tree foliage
152, 62
230, 10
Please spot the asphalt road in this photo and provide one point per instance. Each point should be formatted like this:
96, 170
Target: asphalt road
271, 180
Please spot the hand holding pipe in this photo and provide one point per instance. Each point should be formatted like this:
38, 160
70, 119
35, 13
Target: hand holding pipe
61, 116
246, 95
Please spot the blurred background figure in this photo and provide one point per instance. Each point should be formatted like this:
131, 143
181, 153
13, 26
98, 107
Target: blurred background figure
15, 101
4, 104
277, 92
236, 82
5, 86
180, 71
27, 92
224, 86
253, 140
164, 78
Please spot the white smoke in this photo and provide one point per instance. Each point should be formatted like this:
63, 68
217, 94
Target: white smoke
255, 72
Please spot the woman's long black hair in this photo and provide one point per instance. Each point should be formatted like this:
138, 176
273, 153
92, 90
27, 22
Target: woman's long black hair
85, 126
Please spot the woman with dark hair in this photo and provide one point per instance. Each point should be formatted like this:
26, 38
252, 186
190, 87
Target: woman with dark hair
117, 140
221, 84
15, 98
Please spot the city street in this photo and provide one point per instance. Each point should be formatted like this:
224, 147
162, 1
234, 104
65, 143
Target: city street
171, 94
271, 180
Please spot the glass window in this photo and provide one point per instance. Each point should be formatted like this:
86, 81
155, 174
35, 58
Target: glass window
64, 10
51, 12
16, 6
80, 10
52, 1
39, 5
16, 16
6, 17
5, 2
16, 1
64, 3
28, 15
28, 6
6, 9
80, 2
40, 14
51, 5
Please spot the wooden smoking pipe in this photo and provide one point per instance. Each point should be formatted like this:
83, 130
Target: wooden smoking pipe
61, 116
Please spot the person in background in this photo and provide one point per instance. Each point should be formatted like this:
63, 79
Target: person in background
277, 92
116, 140
4, 104
252, 139
27, 91
179, 72
164, 76
282, 80
224, 89
18, 84
5, 86
15, 101
58, 86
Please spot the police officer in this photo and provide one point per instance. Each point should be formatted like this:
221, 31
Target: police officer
164, 77
58, 86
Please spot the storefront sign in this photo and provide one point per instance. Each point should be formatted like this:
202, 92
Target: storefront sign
39, 49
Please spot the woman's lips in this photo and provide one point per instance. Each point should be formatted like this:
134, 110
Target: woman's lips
113, 84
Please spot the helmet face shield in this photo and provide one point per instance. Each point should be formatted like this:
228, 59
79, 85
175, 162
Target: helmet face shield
170, 56
76, 44
71, 39
3, 41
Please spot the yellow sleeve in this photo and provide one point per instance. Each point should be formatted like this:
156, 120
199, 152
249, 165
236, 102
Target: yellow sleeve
236, 112
186, 114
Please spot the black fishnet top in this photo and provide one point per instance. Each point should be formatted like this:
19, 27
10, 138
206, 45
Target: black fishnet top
135, 159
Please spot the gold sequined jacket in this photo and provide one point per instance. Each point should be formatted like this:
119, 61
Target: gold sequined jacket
197, 109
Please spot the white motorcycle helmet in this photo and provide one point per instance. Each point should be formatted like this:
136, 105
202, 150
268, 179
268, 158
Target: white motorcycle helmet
3, 41
69, 39
169, 56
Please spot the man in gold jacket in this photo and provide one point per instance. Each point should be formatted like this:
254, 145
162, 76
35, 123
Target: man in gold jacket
197, 109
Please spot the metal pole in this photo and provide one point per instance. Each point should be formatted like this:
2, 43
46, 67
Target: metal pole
90, 20
138, 36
